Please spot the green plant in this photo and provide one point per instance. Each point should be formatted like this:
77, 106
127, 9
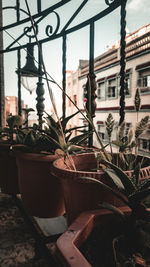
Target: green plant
124, 144
8, 134
50, 139
134, 234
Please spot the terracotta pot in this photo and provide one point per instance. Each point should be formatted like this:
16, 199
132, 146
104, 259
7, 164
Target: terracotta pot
41, 192
82, 196
69, 242
8, 171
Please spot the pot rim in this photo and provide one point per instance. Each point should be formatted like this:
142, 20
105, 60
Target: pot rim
56, 164
69, 242
35, 156
144, 172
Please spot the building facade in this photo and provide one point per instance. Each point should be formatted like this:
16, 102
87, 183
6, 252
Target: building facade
107, 69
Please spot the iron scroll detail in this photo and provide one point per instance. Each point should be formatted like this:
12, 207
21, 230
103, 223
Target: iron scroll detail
109, 2
28, 30
49, 28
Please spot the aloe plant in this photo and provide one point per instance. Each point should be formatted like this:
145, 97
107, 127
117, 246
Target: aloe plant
134, 230
49, 139
126, 142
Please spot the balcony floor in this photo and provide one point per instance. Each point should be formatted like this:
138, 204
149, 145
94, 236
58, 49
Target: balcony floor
18, 245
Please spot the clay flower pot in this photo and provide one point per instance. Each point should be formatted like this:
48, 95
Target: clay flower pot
41, 192
82, 195
69, 242
8, 171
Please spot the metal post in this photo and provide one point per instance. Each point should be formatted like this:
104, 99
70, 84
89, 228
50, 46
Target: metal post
40, 90
122, 61
64, 77
39, 6
18, 9
19, 82
2, 91
91, 84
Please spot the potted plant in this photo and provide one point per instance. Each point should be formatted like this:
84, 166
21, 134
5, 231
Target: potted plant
8, 167
83, 196
41, 192
90, 241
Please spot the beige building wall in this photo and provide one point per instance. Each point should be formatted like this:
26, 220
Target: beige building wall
107, 69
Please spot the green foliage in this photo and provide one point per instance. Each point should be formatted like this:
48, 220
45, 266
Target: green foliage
137, 100
8, 134
141, 126
50, 139
109, 125
126, 142
133, 192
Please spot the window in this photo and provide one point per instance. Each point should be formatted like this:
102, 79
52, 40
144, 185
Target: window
144, 144
111, 88
84, 92
101, 90
127, 84
101, 131
144, 81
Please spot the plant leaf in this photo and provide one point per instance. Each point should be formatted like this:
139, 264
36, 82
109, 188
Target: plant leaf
115, 210
65, 121
128, 184
105, 187
145, 184
137, 197
112, 174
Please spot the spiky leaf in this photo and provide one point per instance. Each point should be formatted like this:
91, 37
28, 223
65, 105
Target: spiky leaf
138, 196
141, 126
128, 184
137, 100
115, 210
112, 174
104, 187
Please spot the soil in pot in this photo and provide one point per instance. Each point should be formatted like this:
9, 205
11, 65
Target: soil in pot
130, 252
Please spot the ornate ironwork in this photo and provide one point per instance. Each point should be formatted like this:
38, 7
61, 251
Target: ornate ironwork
115, 4
62, 32
29, 29
40, 90
109, 2
49, 29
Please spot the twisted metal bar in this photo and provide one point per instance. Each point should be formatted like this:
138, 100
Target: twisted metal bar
19, 82
40, 90
91, 84
64, 77
122, 61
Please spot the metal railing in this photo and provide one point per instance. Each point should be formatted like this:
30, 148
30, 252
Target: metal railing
62, 31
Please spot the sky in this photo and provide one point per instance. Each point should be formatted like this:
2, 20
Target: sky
107, 32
